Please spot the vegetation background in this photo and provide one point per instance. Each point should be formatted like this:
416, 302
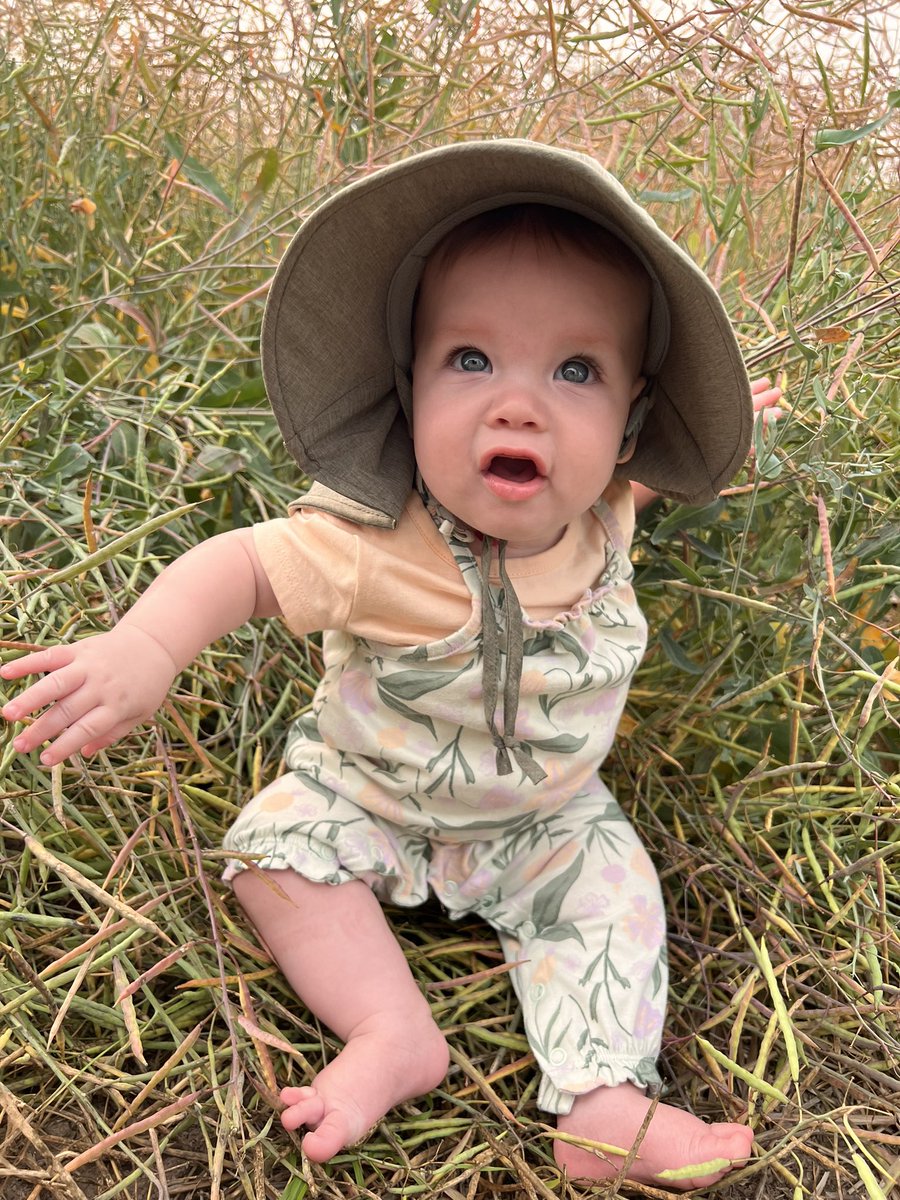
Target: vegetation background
155, 160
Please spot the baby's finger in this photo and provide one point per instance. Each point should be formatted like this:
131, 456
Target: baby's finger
49, 690
93, 727
62, 715
50, 659
114, 735
766, 399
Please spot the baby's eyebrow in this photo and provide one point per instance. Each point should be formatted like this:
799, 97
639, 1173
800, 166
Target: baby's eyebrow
463, 331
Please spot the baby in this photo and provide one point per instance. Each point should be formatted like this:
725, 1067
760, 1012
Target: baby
472, 353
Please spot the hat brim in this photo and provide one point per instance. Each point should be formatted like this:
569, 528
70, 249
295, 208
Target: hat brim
331, 347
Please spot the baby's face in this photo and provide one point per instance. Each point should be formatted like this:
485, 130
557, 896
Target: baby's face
526, 365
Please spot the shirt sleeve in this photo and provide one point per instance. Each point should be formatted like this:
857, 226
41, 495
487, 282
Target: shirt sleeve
312, 564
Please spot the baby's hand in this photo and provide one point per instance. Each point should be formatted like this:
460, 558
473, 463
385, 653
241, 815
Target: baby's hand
94, 691
765, 401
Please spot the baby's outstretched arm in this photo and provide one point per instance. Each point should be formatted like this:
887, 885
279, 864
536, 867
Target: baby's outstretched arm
95, 690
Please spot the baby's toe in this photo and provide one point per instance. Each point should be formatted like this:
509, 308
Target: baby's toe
733, 1141
331, 1135
304, 1106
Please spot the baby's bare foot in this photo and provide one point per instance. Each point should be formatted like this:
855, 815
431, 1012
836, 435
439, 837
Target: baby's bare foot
674, 1140
381, 1065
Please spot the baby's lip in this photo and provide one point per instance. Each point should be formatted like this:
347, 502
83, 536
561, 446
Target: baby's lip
494, 460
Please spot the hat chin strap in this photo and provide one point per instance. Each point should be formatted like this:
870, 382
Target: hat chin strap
636, 418
502, 615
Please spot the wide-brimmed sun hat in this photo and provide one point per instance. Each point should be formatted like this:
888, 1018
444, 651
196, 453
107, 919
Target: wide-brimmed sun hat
336, 341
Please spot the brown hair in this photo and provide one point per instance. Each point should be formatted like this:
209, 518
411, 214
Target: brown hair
540, 225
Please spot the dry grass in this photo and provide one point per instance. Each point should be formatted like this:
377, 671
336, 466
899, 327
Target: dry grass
154, 161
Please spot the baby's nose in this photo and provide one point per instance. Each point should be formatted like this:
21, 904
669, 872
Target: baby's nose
517, 406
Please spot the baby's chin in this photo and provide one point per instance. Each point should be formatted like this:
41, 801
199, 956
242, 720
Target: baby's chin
521, 544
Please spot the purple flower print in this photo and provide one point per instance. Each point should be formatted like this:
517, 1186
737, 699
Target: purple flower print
614, 874
645, 922
593, 904
605, 701
648, 1021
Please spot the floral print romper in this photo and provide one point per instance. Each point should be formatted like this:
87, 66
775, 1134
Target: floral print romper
393, 781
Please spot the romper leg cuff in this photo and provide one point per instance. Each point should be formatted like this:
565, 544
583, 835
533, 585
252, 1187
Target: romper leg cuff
642, 1074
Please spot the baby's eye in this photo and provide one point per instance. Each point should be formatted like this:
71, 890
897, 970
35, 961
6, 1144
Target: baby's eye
573, 370
471, 360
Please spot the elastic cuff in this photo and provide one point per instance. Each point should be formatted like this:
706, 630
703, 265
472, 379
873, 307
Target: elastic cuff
642, 1074
316, 872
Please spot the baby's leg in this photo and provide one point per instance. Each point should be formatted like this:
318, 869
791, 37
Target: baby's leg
335, 948
673, 1141
583, 917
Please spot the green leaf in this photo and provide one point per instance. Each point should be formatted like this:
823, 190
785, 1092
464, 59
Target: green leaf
245, 394
196, 172
810, 353
680, 567
843, 137
677, 656
215, 462
268, 172
686, 517
72, 460
116, 545
93, 335
676, 197
790, 559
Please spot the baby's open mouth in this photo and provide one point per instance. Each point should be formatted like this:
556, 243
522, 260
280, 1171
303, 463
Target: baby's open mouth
516, 470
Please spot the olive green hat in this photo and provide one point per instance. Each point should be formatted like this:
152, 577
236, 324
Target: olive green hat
336, 340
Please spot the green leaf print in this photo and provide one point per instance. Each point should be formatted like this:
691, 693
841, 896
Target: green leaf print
560, 933
599, 832
656, 979
603, 987
309, 781
517, 826
622, 663
405, 711
304, 729
557, 639
456, 759
527, 835
410, 685
548, 900
537, 644
543, 1039
420, 654
574, 647
565, 743
586, 688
